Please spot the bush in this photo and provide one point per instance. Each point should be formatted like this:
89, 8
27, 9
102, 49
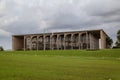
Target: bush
1, 48
115, 47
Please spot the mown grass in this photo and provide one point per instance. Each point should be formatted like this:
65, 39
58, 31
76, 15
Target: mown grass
60, 65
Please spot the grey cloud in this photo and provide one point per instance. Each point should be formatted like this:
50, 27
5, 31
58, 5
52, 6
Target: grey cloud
6, 42
102, 7
33, 16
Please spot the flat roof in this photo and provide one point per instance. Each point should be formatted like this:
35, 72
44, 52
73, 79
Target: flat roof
61, 32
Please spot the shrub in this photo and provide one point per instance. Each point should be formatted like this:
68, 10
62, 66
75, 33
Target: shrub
1, 48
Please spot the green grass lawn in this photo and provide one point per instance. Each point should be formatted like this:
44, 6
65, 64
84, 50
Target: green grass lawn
60, 65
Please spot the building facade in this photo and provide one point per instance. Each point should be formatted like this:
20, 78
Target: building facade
89, 39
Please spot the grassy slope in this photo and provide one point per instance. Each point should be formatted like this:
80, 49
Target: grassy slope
60, 65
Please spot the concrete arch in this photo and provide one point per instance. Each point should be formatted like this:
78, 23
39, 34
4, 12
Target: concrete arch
47, 42
61, 41
68, 41
40, 42
28, 43
83, 41
54, 41
40, 39
75, 41
34, 43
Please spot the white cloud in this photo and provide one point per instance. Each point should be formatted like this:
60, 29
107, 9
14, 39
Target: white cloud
2, 6
4, 33
33, 16
6, 20
99, 7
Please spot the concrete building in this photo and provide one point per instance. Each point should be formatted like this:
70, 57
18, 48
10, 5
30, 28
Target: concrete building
88, 39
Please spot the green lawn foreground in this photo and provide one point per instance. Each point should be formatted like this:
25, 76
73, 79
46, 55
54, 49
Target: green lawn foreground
60, 65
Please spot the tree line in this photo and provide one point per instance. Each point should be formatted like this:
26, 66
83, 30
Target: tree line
109, 41
118, 39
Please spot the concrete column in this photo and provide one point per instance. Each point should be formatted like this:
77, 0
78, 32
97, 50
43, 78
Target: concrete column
79, 40
87, 40
72, 41
51, 42
44, 41
64, 41
103, 40
30, 42
37, 42
24, 43
57, 41
91, 41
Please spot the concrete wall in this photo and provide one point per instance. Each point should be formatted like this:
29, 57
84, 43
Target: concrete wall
94, 42
17, 43
103, 39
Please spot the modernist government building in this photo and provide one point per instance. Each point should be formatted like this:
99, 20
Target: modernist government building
88, 39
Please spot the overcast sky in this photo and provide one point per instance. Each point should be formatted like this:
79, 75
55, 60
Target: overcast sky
33, 16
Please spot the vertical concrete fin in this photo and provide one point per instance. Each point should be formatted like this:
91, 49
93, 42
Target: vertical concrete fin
103, 39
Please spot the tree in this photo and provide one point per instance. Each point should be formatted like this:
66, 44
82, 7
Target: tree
109, 42
118, 39
1, 48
